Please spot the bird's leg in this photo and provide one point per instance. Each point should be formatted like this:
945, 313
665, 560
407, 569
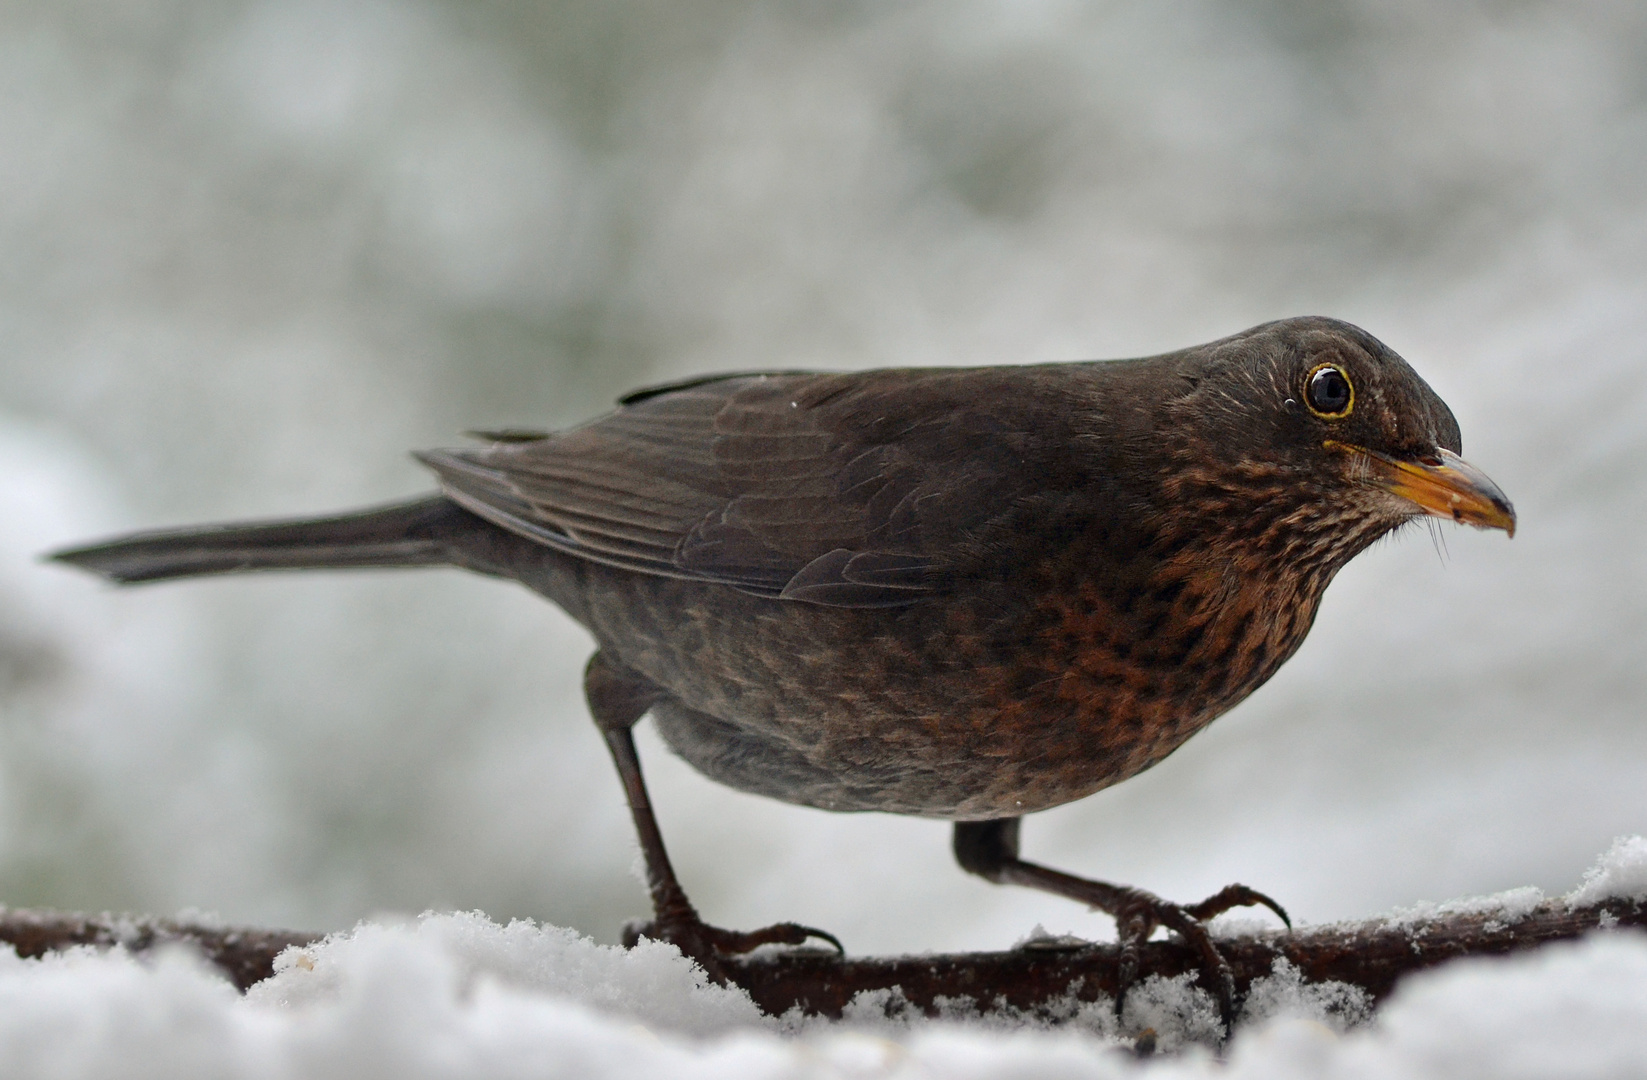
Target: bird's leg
618, 698
990, 850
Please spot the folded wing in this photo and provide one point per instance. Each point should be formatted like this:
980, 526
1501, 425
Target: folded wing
850, 490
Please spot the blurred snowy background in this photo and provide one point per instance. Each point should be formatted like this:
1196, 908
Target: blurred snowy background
252, 253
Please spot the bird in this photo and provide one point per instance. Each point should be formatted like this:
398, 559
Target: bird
965, 593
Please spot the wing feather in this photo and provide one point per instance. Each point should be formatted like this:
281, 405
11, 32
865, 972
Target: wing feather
854, 490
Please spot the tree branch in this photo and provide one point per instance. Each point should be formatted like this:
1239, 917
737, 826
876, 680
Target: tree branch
244, 956
1039, 977
1372, 955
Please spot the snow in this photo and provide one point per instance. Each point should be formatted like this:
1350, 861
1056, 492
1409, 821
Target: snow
1505, 908
1621, 874
650, 984
448, 996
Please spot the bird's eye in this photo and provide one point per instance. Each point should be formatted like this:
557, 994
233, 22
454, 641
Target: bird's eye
1328, 391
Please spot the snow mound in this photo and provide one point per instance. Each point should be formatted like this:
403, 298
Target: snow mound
1621, 874
1572, 1010
652, 984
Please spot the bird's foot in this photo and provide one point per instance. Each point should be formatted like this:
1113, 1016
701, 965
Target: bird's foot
708, 945
1140, 912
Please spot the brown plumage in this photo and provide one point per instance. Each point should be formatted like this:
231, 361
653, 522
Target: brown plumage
959, 593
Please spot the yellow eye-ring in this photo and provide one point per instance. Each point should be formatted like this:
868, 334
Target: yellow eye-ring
1328, 392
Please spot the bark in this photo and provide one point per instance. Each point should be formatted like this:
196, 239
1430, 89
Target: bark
1040, 978
245, 956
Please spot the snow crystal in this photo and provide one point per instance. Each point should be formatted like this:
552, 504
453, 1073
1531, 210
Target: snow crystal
1283, 994
1180, 1013
1505, 908
1620, 874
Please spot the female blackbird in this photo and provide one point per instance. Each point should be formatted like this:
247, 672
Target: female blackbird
965, 593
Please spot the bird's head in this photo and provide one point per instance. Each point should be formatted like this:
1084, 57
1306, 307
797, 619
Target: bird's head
1346, 419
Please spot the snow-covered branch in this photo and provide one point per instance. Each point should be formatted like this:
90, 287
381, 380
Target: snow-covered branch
1043, 975
1046, 974
244, 955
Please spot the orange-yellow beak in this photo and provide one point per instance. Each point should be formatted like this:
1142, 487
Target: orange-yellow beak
1444, 485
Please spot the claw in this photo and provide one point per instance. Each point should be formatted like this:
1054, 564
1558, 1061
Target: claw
708, 944
1143, 912
1234, 896
821, 935
735, 941
1214, 968
990, 850
1133, 926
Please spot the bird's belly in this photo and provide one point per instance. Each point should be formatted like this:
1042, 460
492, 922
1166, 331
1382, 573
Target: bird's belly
900, 768
911, 711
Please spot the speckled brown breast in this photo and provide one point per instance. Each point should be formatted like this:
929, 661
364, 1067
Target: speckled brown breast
1012, 695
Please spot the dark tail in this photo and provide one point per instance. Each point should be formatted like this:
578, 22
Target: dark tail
410, 534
